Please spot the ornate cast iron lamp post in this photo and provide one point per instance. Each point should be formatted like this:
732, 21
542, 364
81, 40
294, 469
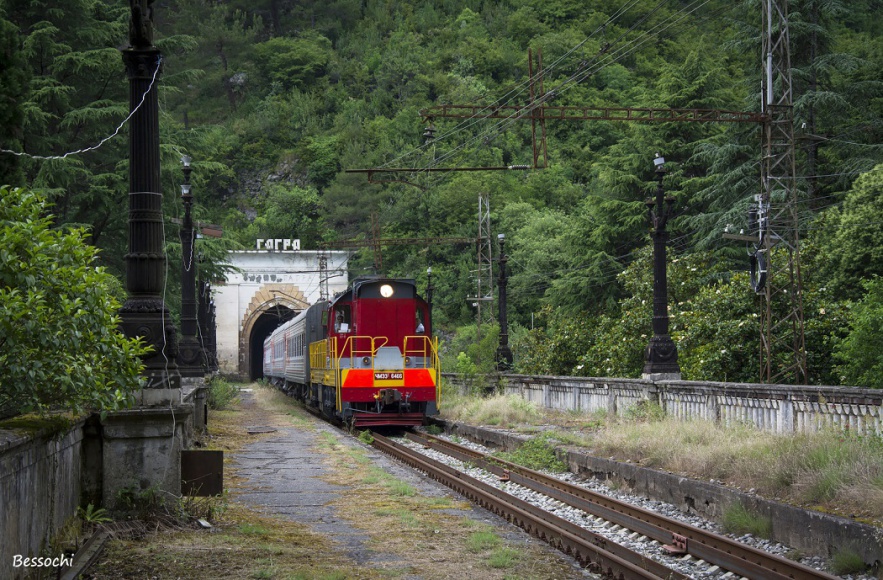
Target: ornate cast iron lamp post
661, 356
504, 354
144, 313
190, 350
206, 319
141, 448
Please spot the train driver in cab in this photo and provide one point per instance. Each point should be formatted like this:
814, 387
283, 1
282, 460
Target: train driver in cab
341, 321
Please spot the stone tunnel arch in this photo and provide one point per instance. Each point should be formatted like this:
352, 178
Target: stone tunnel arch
271, 305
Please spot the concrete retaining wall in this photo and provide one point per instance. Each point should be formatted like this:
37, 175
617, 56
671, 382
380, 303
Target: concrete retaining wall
40, 489
778, 408
45, 477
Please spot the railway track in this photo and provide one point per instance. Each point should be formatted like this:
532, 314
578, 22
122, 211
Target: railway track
598, 553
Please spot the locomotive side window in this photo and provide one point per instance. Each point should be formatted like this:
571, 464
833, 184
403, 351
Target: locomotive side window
342, 318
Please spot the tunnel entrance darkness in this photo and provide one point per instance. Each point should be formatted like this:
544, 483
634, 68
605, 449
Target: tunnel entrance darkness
266, 323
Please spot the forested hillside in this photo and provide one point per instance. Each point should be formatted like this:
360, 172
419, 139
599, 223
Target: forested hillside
275, 100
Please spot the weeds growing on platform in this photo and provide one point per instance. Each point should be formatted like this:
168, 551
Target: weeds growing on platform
496, 410
833, 471
221, 394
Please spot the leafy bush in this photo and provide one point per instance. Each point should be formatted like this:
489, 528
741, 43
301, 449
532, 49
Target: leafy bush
645, 411
221, 393
59, 341
366, 437
861, 352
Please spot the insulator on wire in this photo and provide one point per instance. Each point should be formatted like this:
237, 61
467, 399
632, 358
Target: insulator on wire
757, 271
429, 134
752, 218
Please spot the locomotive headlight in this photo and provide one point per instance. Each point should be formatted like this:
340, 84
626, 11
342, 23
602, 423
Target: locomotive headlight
407, 361
366, 361
386, 291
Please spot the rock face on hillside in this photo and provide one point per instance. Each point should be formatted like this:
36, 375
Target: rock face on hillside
253, 182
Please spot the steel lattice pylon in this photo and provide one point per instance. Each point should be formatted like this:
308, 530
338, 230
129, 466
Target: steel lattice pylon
323, 275
782, 311
484, 279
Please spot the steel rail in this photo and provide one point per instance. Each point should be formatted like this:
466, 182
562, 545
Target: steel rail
592, 550
720, 550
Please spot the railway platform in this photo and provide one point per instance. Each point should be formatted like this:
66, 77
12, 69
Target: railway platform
380, 514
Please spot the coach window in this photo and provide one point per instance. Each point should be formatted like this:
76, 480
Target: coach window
342, 320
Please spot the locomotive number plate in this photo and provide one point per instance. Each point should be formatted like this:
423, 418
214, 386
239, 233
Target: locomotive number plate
388, 376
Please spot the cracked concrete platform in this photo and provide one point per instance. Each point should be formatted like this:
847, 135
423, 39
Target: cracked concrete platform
285, 475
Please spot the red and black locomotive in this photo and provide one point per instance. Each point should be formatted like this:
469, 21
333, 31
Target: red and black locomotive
366, 357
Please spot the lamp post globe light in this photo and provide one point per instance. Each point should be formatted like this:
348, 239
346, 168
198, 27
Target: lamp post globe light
504, 353
190, 353
661, 355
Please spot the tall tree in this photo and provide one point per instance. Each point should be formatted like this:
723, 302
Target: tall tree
14, 79
76, 98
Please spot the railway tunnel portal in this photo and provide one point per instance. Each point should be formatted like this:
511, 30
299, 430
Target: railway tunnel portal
264, 288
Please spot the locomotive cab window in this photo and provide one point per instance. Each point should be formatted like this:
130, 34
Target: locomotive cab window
342, 319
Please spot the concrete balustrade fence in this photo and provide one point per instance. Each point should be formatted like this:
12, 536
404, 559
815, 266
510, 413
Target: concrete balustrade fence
777, 408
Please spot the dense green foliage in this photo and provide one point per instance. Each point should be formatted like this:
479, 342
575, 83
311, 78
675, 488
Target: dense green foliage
859, 352
276, 100
59, 343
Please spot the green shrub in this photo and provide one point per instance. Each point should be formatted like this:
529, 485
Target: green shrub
60, 347
91, 515
647, 411
221, 394
434, 430
860, 354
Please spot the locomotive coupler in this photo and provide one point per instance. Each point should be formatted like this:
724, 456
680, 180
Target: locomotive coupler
387, 397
